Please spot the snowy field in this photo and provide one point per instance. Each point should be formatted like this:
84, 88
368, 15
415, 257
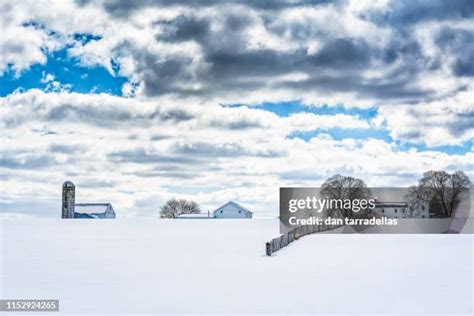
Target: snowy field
132, 266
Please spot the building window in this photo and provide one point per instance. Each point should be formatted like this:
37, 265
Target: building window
422, 207
396, 211
221, 211
240, 212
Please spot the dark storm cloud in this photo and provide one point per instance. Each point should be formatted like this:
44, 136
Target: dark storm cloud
465, 66
123, 8
102, 116
464, 122
228, 67
343, 52
162, 77
406, 12
458, 43
398, 89
184, 28
226, 63
252, 63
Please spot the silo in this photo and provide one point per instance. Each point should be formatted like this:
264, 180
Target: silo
69, 193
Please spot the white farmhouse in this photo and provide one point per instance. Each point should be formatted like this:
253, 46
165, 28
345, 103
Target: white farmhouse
392, 209
232, 210
401, 210
422, 211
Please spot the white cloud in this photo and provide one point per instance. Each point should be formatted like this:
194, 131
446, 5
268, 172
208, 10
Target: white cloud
33, 29
30, 49
137, 154
329, 54
46, 77
447, 121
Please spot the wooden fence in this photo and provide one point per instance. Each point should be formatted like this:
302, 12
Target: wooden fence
294, 234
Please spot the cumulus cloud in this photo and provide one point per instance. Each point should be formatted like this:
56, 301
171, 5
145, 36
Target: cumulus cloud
449, 120
326, 52
143, 152
23, 44
237, 51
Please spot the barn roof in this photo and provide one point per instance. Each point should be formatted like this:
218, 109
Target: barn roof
91, 208
235, 204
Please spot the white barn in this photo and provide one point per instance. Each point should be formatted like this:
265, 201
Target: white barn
232, 210
94, 210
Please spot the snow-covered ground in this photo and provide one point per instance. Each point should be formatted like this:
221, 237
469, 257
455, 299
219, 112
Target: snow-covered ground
143, 265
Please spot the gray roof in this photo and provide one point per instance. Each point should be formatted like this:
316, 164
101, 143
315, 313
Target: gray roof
90, 208
68, 184
235, 204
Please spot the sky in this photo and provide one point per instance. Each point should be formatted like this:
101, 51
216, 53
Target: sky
140, 102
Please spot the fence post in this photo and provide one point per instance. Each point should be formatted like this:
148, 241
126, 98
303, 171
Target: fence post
268, 248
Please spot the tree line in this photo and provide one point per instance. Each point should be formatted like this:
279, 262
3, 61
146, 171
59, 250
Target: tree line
441, 190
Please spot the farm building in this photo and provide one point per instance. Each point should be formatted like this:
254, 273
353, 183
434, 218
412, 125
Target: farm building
232, 210
94, 210
392, 209
82, 210
401, 210
229, 210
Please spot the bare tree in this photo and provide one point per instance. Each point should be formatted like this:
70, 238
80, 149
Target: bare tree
173, 208
340, 187
441, 187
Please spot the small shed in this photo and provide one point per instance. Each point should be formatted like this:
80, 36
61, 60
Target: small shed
94, 210
232, 210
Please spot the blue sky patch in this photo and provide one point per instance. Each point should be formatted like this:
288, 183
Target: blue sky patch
451, 150
382, 134
68, 71
292, 107
341, 133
